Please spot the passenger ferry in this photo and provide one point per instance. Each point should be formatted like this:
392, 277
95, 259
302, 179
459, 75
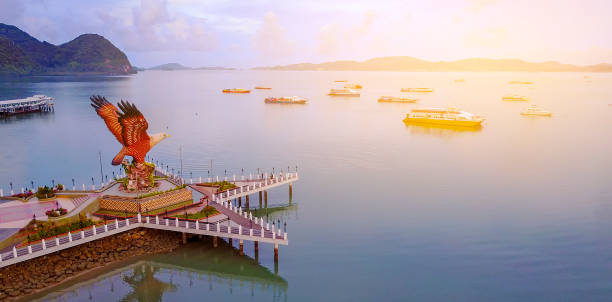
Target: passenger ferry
340, 81
417, 89
534, 110
263, 87
343, 92
236, 90
36, 103
515, 98
393, 99
353, 86
286, 100
520, 82
443, 116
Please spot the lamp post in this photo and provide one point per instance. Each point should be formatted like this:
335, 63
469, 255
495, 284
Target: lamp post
53, 183
114, 175
73, 182
11, 184
32, 182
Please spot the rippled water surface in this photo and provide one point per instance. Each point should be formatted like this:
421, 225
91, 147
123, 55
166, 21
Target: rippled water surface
518, 210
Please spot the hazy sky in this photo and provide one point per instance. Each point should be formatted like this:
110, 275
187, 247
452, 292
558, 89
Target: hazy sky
259, 32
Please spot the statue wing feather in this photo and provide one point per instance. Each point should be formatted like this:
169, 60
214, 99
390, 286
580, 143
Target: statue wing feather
108, 112
133, 122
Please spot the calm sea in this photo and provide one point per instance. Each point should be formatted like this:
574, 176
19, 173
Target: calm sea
518, 210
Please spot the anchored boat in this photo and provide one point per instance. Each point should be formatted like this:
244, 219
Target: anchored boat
443, 116
421, 89
286, 100
353, 86
534, 110
263, 87
343, 92
236, 90
393, 99
515, 98
520, 82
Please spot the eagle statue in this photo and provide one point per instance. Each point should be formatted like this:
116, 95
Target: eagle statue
129, 127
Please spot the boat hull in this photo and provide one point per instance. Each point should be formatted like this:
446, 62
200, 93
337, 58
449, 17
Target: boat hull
425, 121
347, 95
396, 101
536, 114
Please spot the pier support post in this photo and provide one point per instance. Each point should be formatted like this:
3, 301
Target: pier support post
266, 198
239, 202
276, 252
184, 238
230, 241
290, 191
241, 251
247, 201
215, 241
260, 199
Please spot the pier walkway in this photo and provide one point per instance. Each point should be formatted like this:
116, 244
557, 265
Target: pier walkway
258, 232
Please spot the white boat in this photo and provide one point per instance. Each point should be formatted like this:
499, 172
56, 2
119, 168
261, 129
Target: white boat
418, 89
534, 110
286, 100
343, 92
393, 99
515, 98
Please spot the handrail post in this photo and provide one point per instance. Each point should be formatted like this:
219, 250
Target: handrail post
156, 219
116, 223
139, 218
14, 252
207, 227
147, 219
176, 222
94, 229
239, 229
82, 234
44, 244
262, 232
105, 227
56, 241
197, 224
69, 236
29, 249
127, 221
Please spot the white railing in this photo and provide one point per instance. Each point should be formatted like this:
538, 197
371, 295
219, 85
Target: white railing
267, 183
51, 245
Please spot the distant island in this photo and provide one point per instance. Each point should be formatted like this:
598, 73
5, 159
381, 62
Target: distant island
177, 66
22, 54
414, 64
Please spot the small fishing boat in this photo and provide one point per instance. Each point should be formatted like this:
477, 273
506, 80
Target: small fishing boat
343, 92
236, 90
340, 81
534, 110
520, 82
286, 100
393, 99
263, 87
515, 98
420, 89
353, 86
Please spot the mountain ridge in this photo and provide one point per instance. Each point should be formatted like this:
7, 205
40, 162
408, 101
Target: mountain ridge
22, 54
407, 63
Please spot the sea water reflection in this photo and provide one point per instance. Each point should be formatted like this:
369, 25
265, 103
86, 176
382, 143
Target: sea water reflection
185, 274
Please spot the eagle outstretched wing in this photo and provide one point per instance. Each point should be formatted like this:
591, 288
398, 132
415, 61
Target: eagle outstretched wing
133, 123
108, 112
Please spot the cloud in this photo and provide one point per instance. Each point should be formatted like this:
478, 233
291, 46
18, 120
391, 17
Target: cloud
333, 37
492, 37
11, 11
477, 5
151, 27
271, 38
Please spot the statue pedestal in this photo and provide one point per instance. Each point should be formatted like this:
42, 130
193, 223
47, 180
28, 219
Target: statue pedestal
139, 176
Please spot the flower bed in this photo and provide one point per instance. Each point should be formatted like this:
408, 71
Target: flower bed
56, 212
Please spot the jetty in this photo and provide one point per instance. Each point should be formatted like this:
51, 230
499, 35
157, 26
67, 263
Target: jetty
36, 103
240, 224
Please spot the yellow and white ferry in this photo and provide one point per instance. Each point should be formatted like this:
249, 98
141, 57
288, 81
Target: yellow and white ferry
343, 92
418, 89
286, 100
443, 116
534, 110
515, 98
394, 99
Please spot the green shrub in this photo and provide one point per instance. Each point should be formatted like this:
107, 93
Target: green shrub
45, 192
